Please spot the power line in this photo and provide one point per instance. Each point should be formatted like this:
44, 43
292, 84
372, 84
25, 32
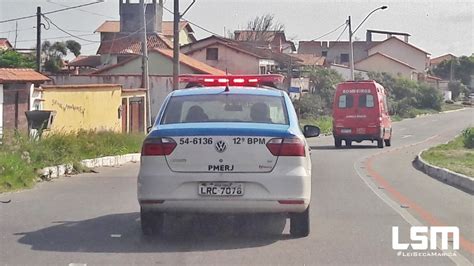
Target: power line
194, 24
70, 34
51, 12
55, 38
82, 10
326, 34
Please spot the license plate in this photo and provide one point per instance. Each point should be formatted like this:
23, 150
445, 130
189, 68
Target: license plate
346, 130
221, 189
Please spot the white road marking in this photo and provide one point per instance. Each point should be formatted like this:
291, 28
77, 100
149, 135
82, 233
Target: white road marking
407, 136
116, 235
459, 259
77, 264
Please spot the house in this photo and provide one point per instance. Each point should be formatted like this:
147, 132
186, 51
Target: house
274, 40
238, 57
119, 40
379, 62
335, 52
437, 60
160, 63
16, 88
404, 52
101, 107
5, 44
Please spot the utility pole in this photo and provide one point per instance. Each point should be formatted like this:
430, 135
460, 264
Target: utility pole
145, 75
176, 45
351, 48
16, 33
38, 39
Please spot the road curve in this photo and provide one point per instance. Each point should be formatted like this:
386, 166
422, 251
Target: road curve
358, 195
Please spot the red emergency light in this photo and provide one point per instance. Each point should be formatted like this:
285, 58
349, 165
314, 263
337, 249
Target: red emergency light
232, 80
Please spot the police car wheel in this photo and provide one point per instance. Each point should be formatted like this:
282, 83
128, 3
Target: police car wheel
151, 222
299, 224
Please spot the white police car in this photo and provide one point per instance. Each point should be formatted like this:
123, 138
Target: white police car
229, 146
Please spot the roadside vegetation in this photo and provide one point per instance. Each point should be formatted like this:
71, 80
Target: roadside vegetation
406, 98
21, 157
456, 155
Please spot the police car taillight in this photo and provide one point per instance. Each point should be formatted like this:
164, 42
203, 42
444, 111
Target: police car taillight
158, 147
287, 147
232, 80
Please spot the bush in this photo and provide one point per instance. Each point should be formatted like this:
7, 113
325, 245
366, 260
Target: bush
468, 138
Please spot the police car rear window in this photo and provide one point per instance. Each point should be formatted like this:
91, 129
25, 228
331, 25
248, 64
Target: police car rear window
225, 108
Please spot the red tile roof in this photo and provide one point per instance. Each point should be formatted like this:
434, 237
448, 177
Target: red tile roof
85, 61
310, 59
21, 75
124, 43
439, 59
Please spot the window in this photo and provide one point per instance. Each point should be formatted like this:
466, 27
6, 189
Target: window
366, 100
263, 70
212, 54
324, 53
225, 108
346, 101
344, 58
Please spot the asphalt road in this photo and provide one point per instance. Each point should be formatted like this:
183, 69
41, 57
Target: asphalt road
358, 195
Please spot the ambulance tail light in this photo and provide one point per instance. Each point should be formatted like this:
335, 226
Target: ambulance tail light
287, 147
158, 147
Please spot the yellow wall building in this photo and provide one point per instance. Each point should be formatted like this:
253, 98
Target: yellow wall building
84, 107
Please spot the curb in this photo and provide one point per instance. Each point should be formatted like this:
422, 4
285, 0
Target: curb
48, 173
444, 175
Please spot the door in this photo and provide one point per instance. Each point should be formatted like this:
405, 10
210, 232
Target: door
137, 114
124, 112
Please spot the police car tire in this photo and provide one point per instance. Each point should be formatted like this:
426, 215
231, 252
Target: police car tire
151, 222
300, 224
380, 143
337, 142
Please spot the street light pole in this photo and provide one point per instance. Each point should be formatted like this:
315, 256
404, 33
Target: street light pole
351, 34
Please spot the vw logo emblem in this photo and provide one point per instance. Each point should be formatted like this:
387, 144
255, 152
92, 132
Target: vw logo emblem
220, 146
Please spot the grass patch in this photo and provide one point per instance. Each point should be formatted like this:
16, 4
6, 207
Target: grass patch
451, 107
20, 156
323, 122
453, 156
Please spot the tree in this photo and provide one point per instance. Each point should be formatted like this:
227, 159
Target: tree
13, 59
54, 53
323, 82
457, 88
74, 47
262, 26
460, 68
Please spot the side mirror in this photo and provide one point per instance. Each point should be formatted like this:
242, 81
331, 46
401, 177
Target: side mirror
310, 131
148, 129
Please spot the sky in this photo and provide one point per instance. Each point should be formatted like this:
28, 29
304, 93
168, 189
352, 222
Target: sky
436, 26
